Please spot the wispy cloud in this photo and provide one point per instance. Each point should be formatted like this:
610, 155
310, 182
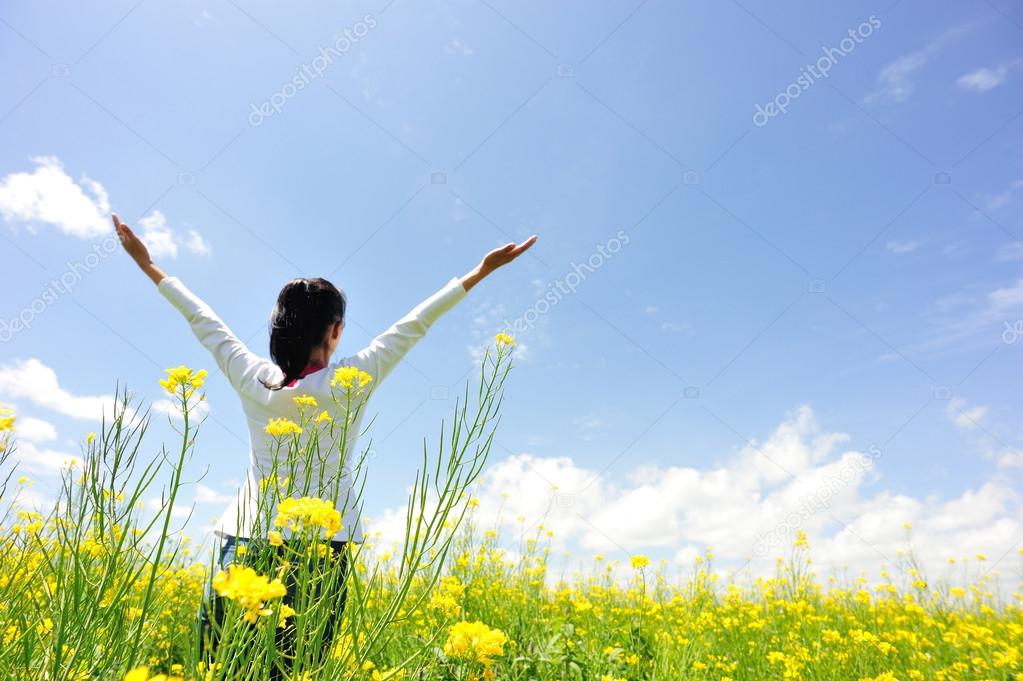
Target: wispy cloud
165, 242
1005, 197
901, 247
894, 82
984, 79
34, 381
964, 415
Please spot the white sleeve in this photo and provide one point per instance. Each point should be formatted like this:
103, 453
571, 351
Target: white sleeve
241, 366
387, 350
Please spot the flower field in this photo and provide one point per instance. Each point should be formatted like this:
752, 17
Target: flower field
101, 588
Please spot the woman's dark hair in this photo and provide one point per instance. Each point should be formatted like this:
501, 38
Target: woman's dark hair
305, 310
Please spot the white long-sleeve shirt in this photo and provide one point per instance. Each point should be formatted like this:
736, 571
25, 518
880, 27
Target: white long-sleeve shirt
247, 373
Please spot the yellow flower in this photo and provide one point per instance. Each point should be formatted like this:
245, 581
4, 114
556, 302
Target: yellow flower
350, 378
308, 513
286, 612
639, 561
142, 674
90, 438
6, 419
324, 417
281, 427
504, 339
801, 540
303, 401
183, 381
475, 642
249, 589
275, 538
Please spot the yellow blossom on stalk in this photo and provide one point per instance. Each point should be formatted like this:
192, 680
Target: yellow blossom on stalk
182, 380
6, 419
90, 438
504, 339
249, 589
303, 401
275, 538
281, 427
308, 513
142, 674
801, 540
475, 642
350, 378
639, 561
324, 417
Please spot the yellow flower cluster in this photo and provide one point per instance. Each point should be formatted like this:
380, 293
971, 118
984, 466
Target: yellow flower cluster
249, 589
182, 381
308, 513
305, 401
6, 419
503, 339
475, 642
142, 674
350, 378
282, 427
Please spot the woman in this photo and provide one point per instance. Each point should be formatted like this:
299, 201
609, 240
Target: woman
305, 329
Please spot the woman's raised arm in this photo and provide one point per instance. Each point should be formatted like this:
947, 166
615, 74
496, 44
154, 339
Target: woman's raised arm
386, 350
244, 369
137, 250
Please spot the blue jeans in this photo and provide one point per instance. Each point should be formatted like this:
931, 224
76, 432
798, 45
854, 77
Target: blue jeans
212, 609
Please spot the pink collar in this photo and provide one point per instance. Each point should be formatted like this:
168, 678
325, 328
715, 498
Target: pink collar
311, 368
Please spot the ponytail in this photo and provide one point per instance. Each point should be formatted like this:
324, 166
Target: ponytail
305, 311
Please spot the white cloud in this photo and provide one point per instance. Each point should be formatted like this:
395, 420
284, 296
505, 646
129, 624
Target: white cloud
157, 236
166, 407
964, 415
49, 195
34, 381
984, 79
1010, 252
894, 80
1003, 198
82, 209
197, 244
967, 320
798, 478
901, 247
42, 461
164, 242
1003, 300
456, 46
208, 495
35, 430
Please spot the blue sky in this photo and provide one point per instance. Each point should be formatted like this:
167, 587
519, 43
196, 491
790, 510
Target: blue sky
850, 266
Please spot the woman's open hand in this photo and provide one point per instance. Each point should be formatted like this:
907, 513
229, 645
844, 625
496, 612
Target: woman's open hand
136, 249
496, 258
